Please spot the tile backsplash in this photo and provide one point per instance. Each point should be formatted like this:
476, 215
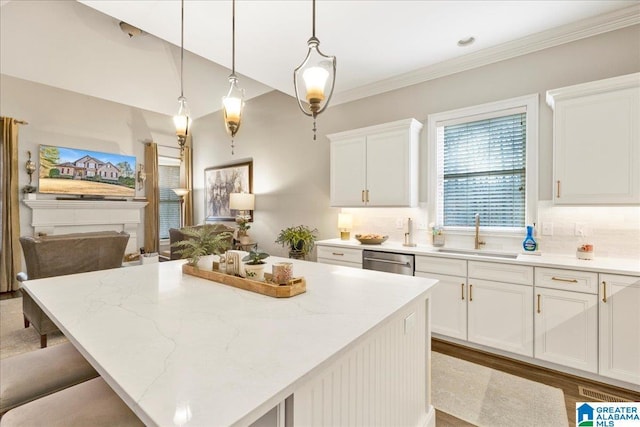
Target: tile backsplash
613, 230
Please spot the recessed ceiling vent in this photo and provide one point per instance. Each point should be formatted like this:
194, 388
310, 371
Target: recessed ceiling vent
130, 30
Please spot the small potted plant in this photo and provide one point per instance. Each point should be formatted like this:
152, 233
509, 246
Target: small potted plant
300, 240
254, 267
200, 242
243, 222
29, 192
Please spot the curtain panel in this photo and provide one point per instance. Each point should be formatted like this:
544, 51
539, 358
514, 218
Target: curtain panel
187, 177
151, 214
10, 251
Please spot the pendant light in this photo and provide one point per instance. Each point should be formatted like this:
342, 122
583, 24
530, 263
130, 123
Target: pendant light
315, 78
234, 101
182, 120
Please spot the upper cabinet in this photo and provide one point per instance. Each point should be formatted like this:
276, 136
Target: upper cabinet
376, 165
596, 142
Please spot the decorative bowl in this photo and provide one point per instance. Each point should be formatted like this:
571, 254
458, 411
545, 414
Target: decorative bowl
371, 239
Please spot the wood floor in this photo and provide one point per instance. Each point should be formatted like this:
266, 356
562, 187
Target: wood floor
568, 383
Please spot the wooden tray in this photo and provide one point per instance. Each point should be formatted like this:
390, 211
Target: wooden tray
293, 287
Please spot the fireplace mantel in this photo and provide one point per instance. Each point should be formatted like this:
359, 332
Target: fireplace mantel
76, 216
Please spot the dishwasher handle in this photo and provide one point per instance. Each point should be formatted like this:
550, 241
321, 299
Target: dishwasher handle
387, 261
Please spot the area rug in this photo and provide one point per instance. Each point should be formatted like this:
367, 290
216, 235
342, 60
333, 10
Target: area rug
14, 337
487, 397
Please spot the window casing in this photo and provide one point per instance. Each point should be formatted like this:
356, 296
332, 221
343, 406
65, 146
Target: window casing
483, 159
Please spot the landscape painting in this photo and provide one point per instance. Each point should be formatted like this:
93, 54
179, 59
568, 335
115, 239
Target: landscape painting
74, 171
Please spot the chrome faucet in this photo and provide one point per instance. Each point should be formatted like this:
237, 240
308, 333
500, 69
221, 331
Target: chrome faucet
478, 242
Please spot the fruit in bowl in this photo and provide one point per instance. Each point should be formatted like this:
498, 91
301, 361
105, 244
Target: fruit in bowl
371, 238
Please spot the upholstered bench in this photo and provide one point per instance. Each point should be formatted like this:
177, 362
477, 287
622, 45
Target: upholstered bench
92, 403
35, 374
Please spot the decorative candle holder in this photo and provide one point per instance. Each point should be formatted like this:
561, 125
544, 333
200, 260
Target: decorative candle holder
282, 272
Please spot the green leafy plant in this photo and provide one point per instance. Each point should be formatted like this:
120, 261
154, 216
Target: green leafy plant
300, 239
202, 241
255, 257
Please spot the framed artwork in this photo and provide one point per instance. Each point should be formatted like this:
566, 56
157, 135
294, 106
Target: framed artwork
219, 182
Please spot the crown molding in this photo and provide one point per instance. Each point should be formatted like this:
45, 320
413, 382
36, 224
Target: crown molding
589, 27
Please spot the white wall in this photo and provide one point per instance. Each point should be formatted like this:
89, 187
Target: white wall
291, 171
67, 119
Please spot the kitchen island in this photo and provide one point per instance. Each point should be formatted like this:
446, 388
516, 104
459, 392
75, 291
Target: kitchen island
181, 350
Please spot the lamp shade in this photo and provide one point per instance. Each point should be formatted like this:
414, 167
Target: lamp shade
180, 191
345, 221
242, 201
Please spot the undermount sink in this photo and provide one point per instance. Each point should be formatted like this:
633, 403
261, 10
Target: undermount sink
508, 255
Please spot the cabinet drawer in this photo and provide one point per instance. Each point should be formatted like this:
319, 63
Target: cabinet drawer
566, 280
340, 254
432, 264
507, 273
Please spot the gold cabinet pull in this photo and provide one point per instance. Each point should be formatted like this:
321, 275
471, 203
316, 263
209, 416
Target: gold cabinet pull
337, 254
604, 291
560, 279
558, 189
470, 292
462, 291
538, 304
362, 196
367, 196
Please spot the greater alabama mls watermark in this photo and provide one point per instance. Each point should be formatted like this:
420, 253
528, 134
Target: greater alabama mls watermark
592, 414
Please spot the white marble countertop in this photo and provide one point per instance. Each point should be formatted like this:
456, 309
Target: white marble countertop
176, 347
602, 265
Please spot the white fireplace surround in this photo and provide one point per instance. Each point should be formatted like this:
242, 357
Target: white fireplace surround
79, 216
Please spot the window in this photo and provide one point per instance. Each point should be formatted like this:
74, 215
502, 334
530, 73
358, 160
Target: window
484, 160
169, 202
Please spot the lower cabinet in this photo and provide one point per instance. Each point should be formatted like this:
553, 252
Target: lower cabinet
348, 257
448, 305
501, 316
566, 325
619, 304
500, 312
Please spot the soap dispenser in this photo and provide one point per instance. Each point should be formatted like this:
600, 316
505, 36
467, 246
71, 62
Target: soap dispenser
529, 244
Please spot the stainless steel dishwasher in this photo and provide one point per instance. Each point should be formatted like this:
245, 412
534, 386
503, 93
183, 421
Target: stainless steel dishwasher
388, 261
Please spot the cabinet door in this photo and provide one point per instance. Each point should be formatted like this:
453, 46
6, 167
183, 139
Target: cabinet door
389, 169
619, 304
566, 325
348, 171
597, 149
500, 315
448, 305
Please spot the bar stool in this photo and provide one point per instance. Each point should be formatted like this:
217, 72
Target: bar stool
91, 403
35, 374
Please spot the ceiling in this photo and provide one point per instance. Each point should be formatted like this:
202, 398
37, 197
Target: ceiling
379, 44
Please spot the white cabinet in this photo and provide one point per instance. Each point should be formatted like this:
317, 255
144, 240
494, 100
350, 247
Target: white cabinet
376, 166
566, 318
596, 142
449, 296
336, 255
619, 303
500, 312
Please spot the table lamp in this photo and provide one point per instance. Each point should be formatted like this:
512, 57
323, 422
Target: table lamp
345, 224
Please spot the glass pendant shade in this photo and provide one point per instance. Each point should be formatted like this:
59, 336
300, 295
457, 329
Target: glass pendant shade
232, 106
182, 121
314, 80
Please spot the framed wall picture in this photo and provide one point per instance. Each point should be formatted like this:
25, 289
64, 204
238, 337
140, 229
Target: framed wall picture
219, 182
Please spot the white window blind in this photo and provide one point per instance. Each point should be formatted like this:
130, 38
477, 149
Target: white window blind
169, 203
481, 168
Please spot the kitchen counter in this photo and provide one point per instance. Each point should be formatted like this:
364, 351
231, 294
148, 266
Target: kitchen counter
602, 265
179, 349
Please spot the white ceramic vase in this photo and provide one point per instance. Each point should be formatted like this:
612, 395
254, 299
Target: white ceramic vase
206, 262
254, 272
